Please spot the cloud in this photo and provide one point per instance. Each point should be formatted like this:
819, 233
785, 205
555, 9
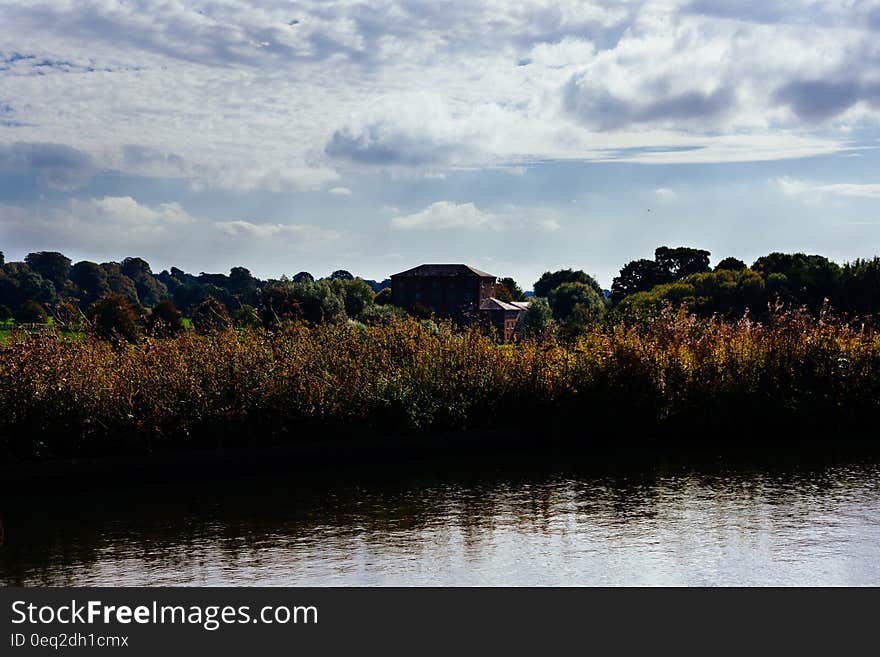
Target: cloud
443, 215
411, 130
795, 187
125, 211
299, 234
820, 100
57, 166
276, 96
339, 191
602, 111
446, 215
97, 224
665, 194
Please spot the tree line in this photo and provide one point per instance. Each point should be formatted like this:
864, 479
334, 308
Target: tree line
126, 299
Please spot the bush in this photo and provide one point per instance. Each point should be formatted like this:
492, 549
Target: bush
5, 314
210, 316
112, 318
165, 320
30, 312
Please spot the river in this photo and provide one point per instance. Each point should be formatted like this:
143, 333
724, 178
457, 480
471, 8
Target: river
709, 522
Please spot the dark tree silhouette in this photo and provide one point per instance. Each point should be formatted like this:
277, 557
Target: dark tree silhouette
113, 318
51, 265
165, 320
31, 312
731, 264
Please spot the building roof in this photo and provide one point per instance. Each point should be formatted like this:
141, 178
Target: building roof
522, 305
497, 304
443, 270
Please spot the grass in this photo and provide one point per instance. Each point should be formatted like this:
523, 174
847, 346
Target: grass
671, 376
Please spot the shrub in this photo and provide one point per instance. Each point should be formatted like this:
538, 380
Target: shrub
165, 320
31, 312
112, 318
210, 316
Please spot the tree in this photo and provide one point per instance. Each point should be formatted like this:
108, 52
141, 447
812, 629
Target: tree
165, 320
31, 312
342, 275
502, 293
576, 296
636, 276
150, 290
5, 314
383, 297
549, 281
51, 265
91, 279
280, 303
800, 279
356, 296
303, 277
681, 261
730, 264
516, 292
19, 283
112, 318
537, 319
120, 283
210, 317
2, 259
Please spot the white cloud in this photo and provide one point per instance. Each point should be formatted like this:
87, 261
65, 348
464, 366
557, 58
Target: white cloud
443, 215
795, 187
268, 95
339, 191
298, 234
665, 194
446, 215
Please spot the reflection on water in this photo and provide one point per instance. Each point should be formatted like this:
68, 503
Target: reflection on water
501, 525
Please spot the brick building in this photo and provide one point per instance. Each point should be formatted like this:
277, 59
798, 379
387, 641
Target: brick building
458, 292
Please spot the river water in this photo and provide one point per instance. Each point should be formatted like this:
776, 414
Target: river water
706, 523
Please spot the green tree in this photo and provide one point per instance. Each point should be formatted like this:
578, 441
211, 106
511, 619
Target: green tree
549, 281
91, 279
681, 261
165, 320
150, 290
516, 292
578, 297
636, 276
355, 294
342, 275
211, 317
31, 312
537, 319
51, 265
303, 277
120, 283
112, 318
800, 279
731, 264
383, 297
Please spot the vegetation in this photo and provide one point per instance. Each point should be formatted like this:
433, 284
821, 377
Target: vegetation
674, 374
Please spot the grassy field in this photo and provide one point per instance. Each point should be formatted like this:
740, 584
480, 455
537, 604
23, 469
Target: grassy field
672, 376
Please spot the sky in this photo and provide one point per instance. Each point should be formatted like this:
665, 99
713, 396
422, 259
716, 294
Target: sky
516, 137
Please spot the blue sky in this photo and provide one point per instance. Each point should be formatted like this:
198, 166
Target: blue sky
516, 137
